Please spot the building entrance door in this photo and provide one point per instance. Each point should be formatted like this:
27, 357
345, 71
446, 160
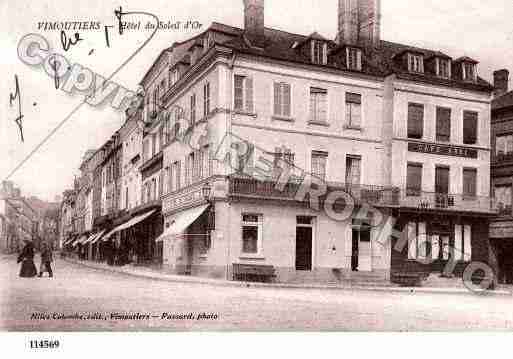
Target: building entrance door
304, 248
361, 255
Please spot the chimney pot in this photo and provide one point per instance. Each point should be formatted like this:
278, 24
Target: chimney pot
254, 22
500, 82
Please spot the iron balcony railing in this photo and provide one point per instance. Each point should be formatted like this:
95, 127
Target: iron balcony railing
245, 186
452, 202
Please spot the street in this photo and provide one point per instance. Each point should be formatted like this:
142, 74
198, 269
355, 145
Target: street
77, 290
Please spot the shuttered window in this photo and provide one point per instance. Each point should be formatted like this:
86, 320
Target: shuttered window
443, 124
353, 169
282, 99
442, 180
243, 93
353, 110
318, 105
415, 120
469, 182
319, 162
414, 179
206, 99
193, 109
470, 127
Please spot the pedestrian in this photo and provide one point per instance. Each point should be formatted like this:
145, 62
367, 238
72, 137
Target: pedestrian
26, 257
46, 261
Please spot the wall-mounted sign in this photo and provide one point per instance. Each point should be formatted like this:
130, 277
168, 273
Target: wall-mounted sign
173, 203
442, 150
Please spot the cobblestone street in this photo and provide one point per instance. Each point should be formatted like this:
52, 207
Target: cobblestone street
77, 289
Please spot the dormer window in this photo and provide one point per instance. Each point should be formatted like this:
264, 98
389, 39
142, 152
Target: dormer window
173, 77
354, 58
443, 68
319, 52
469, 71
415, 63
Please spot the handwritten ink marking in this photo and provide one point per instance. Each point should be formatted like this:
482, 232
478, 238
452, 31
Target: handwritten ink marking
67, 43
12, 98
119, 14
107, 34
54, 67
42, 142
91, 52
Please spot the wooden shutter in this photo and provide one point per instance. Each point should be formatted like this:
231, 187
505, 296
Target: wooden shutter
238, 93
467, 242
469, 181
443, 124
435, 246
470, 127
277, 99
286, 100
415, 120
422, 241
458, 242
412, 240
249, 94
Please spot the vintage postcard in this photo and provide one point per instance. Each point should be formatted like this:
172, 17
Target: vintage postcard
252, 165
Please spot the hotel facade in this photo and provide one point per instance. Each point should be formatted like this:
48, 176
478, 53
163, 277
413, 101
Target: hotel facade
268, 155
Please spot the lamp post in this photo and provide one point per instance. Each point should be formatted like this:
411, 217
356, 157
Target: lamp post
206, 191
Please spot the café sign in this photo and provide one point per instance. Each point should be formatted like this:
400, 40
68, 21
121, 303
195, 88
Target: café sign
442, 150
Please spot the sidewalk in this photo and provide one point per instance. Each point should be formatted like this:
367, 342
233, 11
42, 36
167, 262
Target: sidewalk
144, 272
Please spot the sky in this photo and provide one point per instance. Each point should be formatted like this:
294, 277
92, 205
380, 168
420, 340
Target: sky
481, 30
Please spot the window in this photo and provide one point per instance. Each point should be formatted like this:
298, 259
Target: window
173, 77
415, 120
353, 169
169, 175
469, 182
162, 139
177, 166
417, 240
251, 233
415, 63
206, 99
504, 145
353, 110
318, 105
243, 93
503, 198
156, 98
153, 144
207, 162
470, 127
282, 99
319, 52
441, 180
414, 179
126, 198
163, 86
319, 164
443, 124
443, 68
469, 71
354, 58
167, 126
193, 109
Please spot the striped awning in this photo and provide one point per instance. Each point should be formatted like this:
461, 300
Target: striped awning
128, 224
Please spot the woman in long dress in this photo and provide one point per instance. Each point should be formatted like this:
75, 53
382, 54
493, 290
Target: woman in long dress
26, 257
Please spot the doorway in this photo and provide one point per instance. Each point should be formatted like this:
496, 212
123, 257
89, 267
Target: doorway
361, 254
304, 243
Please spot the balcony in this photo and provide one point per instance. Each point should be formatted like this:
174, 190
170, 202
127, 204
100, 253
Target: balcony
447, 202
247, 187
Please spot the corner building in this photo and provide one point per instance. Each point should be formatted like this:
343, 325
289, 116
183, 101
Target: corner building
241, 107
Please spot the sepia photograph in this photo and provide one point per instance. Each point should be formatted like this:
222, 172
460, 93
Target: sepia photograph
255, 166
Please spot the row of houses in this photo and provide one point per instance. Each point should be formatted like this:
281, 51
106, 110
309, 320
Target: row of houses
256, 152
25, 218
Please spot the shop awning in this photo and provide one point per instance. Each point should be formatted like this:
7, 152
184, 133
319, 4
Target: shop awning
181, 221
79, 240
90, 238
93, 238
98, 236
129, 224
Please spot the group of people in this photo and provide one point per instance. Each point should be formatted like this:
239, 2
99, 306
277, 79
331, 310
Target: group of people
26, 258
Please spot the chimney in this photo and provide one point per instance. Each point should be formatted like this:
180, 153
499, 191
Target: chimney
359, 22
500, 82
254, 22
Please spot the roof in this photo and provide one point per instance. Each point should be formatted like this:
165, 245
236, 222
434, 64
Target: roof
503, 101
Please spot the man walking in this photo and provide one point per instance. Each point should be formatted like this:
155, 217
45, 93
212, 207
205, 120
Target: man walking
46, 260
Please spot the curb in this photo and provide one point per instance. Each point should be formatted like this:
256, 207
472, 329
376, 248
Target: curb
226, 283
